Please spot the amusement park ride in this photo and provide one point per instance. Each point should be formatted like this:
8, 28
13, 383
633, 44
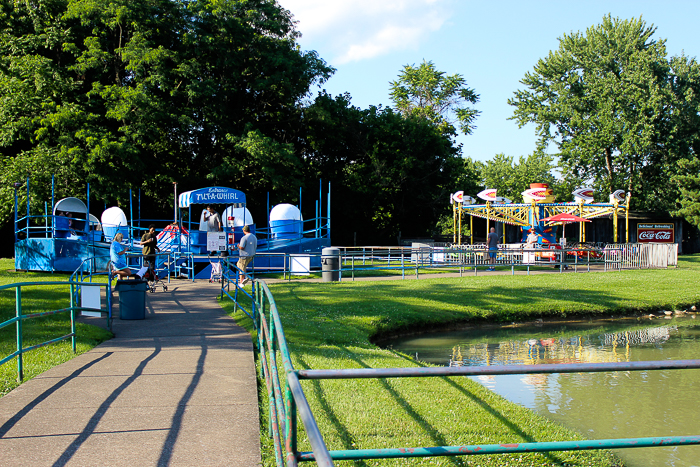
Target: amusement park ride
538, 212
66, 236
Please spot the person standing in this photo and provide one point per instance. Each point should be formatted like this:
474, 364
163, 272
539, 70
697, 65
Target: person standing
492, 243
246, 247
149, 241
530, 242
212, 219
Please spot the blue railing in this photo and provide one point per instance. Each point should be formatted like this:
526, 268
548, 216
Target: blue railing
288, 400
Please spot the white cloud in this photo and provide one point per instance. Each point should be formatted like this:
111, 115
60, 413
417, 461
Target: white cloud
354, 30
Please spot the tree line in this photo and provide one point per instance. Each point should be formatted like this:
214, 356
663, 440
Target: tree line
140, 94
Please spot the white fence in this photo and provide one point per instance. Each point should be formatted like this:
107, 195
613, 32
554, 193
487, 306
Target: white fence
642, 255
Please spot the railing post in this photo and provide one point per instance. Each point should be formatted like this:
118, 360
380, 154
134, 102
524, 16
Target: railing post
291, 422
109, 300
253, 301
72, 315
18, 324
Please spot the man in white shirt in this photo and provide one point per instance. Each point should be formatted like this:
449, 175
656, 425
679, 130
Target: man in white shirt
212, 219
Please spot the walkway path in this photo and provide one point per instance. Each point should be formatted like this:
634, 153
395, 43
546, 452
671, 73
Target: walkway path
176, 389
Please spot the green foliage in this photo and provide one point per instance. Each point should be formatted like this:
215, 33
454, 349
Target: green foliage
425, 92
686, 143
392, 174
143, 93
511, 178
689, 184
604, 97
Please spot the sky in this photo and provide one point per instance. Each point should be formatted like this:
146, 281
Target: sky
492, 44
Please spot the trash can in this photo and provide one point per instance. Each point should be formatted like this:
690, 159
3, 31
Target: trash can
132, 299
330, 264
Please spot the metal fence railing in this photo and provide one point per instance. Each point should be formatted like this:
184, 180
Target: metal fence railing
287, 401
20, 317
472, 257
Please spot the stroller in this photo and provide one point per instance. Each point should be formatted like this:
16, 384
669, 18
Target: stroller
216, 270
152, 279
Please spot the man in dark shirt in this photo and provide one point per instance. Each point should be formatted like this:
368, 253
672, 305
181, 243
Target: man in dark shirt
492, 243
149, 241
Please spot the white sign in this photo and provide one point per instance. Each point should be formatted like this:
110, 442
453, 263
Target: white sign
90, 298
216, 241
300, 265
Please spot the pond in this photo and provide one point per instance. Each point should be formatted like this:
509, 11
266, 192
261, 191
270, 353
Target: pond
625, 404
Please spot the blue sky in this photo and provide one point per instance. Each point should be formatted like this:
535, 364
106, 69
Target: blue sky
492, 44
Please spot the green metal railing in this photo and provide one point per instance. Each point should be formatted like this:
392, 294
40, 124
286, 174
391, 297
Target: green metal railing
20, 317
288, 399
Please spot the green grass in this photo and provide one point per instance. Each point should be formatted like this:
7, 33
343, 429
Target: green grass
36, 299
334, 325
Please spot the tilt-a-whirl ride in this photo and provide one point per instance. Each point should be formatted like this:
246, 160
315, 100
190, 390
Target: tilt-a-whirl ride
62, 238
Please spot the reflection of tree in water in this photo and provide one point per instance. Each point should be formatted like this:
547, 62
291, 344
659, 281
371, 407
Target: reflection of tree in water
606, 347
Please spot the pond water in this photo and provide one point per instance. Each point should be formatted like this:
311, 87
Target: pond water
625, 404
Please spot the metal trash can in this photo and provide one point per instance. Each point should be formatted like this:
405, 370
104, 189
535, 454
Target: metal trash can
330, 264
132, 299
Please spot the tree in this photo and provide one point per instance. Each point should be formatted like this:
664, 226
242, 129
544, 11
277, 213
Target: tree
425, 92
391, 175
511, 178
142, 93
604, 98
686, 141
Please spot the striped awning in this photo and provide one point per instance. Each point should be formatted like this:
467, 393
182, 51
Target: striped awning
211, 195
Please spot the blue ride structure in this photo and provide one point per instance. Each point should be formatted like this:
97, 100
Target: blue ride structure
62, 240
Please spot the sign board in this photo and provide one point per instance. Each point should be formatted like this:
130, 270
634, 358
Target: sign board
649, 232
300, 265
216, 241
90, 298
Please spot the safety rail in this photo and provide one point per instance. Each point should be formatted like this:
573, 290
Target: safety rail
472, 257
412, 260
20, 317
86, 272
230, 274
286, 402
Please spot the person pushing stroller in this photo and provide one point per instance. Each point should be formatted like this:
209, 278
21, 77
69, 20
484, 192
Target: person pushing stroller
149, 241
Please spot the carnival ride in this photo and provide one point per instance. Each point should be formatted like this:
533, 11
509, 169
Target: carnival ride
539, 213
62, 240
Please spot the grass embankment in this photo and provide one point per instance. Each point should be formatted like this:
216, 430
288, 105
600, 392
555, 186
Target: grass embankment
333, 325
36, 299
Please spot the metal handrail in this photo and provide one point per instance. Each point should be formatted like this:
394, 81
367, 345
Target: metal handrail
285, 402
79, 278
20, 317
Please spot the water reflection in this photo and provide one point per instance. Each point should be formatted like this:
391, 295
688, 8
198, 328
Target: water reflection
623, 404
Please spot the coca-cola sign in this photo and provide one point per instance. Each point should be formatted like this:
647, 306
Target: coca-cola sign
660, 233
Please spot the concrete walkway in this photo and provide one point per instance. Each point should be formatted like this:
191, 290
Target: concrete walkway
176, 389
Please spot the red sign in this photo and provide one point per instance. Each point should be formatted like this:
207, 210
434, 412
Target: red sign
657, 233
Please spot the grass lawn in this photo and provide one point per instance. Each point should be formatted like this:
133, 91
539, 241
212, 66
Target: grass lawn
335, 325
34, 300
